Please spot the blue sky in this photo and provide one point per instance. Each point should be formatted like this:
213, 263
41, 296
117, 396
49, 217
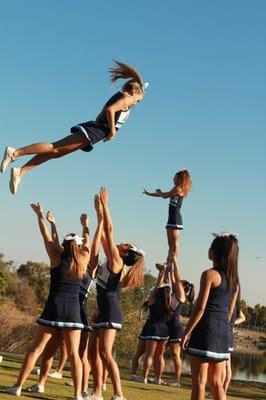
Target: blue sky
204, 111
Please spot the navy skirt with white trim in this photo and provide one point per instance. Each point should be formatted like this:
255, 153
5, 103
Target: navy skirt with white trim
110, 314
154, 330
94, 133
210, 338
62, 311
174, 218
176, 329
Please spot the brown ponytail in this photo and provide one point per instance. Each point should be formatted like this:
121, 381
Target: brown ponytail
124, 71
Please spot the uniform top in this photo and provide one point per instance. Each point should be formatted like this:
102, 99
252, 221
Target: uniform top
120, 116
176, 306
86, 285
176, 201
61, 282
107, 282
157, 311
220, 297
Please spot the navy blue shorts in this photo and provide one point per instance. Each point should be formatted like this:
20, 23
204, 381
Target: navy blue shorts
93, 132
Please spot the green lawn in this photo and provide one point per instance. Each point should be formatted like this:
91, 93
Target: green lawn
55, 389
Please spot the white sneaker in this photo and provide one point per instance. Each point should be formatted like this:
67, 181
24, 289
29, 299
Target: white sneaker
55, 374
69, 383
36, 388
104, 387
15, 178
133, 377
36, 371
16, 390
1, 358
78, 397
158, 381
174, 384
8, 158
141, 379
93, 396
118, 398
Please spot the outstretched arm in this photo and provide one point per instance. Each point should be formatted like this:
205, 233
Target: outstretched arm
159, 193
177, 286
52, 252
111, 250
94, 258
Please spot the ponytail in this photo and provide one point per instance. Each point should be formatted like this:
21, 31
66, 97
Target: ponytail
124, 71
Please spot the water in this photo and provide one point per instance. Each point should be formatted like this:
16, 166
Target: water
245, 366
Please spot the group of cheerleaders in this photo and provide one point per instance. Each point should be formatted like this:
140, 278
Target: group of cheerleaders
75, 266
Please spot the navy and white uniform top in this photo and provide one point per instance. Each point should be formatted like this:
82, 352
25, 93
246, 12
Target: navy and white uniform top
210, 337
62, 308
174, 215
97, 130
175, 326
120, 116
85, 287
108, 288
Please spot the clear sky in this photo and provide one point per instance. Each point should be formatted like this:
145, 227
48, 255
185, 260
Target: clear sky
204, 111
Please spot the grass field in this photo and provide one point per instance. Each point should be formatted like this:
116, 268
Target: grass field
55, 389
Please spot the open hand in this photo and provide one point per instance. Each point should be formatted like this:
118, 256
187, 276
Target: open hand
37, 208
98, 205
50, 218
104, 195
84, 219
110, 136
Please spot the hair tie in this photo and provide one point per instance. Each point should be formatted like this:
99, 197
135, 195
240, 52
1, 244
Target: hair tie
77, 239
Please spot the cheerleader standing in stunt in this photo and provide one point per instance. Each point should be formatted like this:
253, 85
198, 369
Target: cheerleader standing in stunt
123, 268
182, 185
62, 308
84, 135
206, 337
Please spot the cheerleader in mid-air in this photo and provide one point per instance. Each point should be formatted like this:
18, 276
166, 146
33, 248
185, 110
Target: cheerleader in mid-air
83, 135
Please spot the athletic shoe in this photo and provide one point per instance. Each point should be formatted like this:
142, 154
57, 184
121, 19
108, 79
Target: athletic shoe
36, 371
158, 381
69, 383
15, 178
118, 398
8, 158
93, 396
141, 379
104, 387
134, 377
85, 396
174, 384
16, 390
55, 374
36, 388
1, 358
78, 397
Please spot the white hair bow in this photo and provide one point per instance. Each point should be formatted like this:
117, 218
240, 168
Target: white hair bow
137, 251
78, 240
224, 234
145, 85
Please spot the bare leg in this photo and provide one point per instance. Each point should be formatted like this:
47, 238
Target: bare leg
159, 356
216, 373
96, 361
227, 374
41, 337
47, 151
139, 352
72, 340
173, 245
48, 355
151, 346
107, 338
199, 372
83, 352
63, 357
175, 353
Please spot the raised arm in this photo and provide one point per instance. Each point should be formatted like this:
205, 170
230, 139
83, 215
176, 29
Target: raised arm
55, 237
177, 286
110, 248
52, 252
164, 195
206, 282
85, 248
94, 258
